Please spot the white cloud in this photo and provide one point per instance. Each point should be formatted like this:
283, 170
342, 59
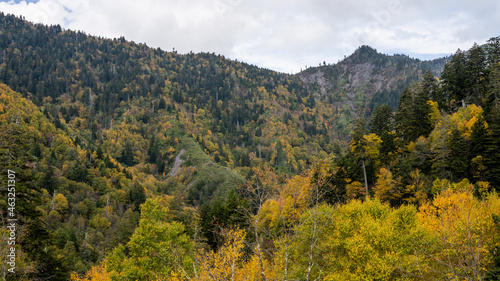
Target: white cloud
277, 34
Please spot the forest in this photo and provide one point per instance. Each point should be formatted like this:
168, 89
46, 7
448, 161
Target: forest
134, 163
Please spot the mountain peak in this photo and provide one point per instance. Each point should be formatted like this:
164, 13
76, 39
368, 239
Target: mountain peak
365, 50
366, 78
365, 54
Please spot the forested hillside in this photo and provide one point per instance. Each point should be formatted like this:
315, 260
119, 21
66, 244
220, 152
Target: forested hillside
239, 113
133, 163
357, 84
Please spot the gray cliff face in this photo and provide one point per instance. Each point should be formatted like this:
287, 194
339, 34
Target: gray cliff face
356, 85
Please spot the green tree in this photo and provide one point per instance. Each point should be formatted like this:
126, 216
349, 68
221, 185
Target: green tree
359, 148
430, 88
476, 66
125, 227
382, 120
158, 248
455, 81
49, 181
137, 195
127, 156
413, 115
458, 158
493, 50
492, 151
39, 245
478, 137
222, 214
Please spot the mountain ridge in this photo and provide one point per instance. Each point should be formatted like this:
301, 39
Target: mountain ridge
366, 74
139, 157
63, 70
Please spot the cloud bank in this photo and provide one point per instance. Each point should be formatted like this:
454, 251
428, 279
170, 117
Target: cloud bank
281, 35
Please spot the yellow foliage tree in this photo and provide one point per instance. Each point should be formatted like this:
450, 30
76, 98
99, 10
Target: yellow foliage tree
463, 232
387, 189
415, 192
60, 203
96, 273
354, 190
224, 263
292, 199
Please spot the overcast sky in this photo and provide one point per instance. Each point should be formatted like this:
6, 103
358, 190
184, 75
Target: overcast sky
277, 34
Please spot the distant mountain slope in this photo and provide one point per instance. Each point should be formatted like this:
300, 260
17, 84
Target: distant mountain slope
125, 97
116, 91
358, 83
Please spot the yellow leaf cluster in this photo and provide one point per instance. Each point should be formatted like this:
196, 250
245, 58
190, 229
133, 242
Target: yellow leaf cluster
96, 273
224, 263
463, 231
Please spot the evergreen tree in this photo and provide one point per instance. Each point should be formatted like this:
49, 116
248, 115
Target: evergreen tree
478, 138
476, 65
430, 89
492, 151
493, 88
421, 113
381, 120
160, 164
49, 182
358, 148
153, 150
39, 245
222, 214
137, 195
388, 148
403, 116
493, 50
127, 156
15, 157
78, 172
412, 116
455, 82
36, 239
458, 160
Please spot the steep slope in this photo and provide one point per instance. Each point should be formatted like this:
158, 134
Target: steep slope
116, 92
123, 97
358, 83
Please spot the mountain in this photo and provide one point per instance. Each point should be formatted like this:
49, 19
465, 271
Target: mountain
144, 106
242, 102
162, 164
357, 84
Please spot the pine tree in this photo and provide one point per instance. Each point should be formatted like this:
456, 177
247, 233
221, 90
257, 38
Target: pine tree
430, 88
478, 138
358, 148
36, 242
137, 195
15, 156
476, 65
127, 156
403, 114
493, 88
381, 120
39, 245
492, 151
412, 116
153, 150
493, 50
458, 160
455, 81
421, 113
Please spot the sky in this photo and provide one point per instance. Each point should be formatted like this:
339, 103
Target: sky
282, 35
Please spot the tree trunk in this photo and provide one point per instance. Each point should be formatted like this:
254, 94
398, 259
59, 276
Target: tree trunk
366, 180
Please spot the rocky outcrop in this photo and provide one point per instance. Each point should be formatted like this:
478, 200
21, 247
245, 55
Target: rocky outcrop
177, 164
